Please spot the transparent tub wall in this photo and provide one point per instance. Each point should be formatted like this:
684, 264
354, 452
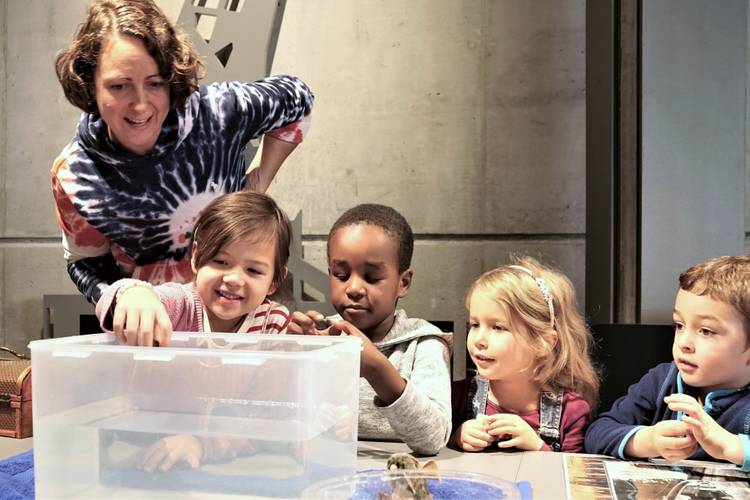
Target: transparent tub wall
279, 424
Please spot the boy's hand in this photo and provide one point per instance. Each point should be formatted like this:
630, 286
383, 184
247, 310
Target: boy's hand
141, 319
522, 436
166, 452
670, 439
473, 436
374, 366
371, 356
713, 438
308, 323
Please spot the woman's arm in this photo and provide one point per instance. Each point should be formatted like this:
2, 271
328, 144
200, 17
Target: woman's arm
272, 155
278, 105
90, 263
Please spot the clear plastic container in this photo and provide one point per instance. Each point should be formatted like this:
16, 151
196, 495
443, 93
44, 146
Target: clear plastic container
270, 414
394, 484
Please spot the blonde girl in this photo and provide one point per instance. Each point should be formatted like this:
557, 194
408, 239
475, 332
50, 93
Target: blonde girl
535, 384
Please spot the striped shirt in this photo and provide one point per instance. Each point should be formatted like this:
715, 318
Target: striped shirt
185, 309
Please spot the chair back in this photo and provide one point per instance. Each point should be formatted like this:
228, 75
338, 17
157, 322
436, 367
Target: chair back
625, 352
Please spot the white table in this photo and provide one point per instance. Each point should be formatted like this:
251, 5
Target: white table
544, 470
10, 446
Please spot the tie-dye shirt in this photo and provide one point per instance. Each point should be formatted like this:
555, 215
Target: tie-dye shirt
126, 215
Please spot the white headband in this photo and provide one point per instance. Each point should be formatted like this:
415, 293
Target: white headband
545, 292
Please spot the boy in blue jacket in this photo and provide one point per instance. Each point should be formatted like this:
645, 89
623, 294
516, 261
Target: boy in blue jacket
698, 406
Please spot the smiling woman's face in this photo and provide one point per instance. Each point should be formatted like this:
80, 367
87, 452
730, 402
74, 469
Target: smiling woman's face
132, 97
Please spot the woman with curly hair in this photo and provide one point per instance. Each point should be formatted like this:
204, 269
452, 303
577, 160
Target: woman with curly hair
152, 147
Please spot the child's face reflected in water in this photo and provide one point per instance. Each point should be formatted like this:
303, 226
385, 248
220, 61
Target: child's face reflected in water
364, 277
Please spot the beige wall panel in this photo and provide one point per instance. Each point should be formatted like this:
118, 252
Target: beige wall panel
40, 122
535, 112
747, 140
397, 117
3, 118
29, 272
3, 294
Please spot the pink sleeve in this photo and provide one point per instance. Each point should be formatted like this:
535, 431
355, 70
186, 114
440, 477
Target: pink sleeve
180, 303
105, 306
178, 300
575, 419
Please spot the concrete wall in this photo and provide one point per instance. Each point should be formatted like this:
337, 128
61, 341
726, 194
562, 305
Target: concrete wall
693, 87
467, 116
36, 124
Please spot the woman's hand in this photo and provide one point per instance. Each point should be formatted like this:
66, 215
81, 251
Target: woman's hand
522, 436
141, 319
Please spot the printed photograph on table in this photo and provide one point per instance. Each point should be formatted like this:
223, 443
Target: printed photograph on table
602, 478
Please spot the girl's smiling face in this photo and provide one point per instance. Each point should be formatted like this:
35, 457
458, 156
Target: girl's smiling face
236, 281
131, 95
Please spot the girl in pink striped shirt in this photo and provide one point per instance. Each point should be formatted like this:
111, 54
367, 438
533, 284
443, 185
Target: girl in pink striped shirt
239, 253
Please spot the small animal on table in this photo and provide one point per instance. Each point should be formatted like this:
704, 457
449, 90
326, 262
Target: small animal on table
409, 486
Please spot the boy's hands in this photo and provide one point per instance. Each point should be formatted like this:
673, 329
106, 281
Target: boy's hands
522, 436
670, 439
308, 323
141, 319
373, 364
472, 435
314, 323
713, 438
166, 452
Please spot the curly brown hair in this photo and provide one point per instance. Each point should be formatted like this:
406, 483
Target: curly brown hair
723, 279
175, 57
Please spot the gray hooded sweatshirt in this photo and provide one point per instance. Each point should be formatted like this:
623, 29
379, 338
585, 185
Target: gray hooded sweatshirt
421, 416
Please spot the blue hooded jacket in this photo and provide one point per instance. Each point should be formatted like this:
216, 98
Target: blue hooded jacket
644, 405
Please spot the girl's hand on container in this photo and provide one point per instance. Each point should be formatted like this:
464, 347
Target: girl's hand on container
141, 319
166, 452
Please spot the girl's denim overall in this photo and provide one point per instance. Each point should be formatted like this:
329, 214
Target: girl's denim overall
550, 410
